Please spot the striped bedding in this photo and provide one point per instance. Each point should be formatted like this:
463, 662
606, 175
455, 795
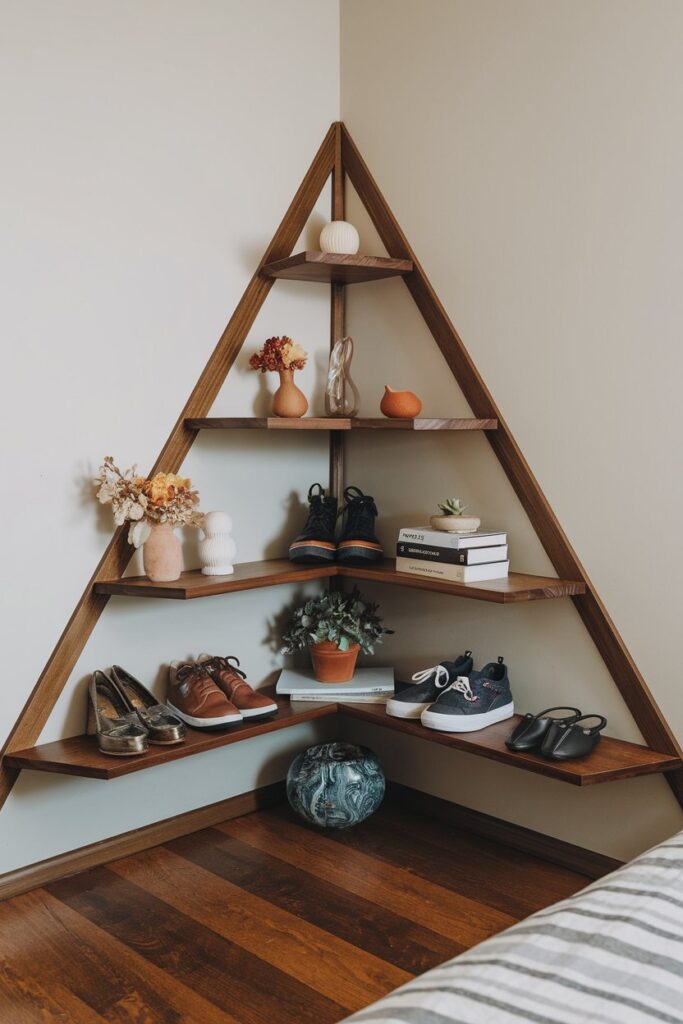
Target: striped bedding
611, 954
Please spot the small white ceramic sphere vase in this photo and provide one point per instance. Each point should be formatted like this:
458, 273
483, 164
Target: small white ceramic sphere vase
341, 237
217, 549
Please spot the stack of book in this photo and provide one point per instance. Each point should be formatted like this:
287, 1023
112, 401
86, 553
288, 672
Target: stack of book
368, 686
456, 557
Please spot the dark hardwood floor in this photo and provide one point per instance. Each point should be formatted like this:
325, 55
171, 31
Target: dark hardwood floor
262, 920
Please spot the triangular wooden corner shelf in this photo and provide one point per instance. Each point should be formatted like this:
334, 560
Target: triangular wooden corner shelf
339, 157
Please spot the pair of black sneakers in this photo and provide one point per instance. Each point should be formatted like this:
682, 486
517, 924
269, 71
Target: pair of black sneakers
356, 545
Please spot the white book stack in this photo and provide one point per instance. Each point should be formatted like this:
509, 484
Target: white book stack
456, 557
368, 686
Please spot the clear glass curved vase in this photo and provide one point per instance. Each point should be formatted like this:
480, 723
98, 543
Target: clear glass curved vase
341, 394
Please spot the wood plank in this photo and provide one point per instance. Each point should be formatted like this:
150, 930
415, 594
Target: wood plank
13, 883
80, 755
463, 920
446, 819
239, 983
45, 693
338, 423
514, 588
631, 684
272, 572
611, 760
326, 964
382, 932
335, 268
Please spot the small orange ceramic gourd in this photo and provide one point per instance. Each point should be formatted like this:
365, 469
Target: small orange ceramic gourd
400, 405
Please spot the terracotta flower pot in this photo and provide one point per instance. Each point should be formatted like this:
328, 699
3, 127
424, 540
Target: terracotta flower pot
330, 665
162, 554
288, 401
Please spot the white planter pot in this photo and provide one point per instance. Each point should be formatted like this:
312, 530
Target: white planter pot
456, 524
217, 549
339, 236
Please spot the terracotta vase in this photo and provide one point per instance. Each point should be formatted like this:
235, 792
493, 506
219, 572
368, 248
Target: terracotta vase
162, 554
401, 405
288, 401
330, 665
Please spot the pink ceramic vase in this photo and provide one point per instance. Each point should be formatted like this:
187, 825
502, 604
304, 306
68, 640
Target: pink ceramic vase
162, 554
288, 401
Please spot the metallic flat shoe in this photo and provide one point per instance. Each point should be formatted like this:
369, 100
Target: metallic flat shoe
162, 725
118, 729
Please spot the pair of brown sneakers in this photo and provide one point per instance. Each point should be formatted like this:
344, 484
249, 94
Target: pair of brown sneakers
213, 692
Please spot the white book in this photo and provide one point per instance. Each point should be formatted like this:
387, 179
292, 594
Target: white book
296, 684
444, 539
347, 698
453, 573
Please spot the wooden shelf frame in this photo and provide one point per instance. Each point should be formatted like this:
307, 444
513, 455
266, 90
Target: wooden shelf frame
277, 571
329, 424
338, 157
612, 760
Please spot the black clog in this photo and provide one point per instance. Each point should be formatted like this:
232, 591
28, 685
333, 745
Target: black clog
530, 732
565, 742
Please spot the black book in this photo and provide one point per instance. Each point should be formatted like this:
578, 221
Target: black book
454, 556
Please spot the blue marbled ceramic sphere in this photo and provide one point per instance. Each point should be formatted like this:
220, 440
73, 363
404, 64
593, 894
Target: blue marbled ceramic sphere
335, 785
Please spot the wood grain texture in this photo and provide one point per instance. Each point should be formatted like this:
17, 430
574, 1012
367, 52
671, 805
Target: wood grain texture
217, 929
609, 643
192, 584
42, 699
336, 268
340, 424
81, 756
611, 760
21, 880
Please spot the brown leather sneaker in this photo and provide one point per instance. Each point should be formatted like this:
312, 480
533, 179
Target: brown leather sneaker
234, 685
194, 697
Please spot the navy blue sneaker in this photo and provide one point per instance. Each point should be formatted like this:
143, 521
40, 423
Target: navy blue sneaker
473, 703
431, 682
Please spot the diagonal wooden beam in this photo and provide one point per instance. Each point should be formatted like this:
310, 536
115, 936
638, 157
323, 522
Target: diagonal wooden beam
609, 643
61, 662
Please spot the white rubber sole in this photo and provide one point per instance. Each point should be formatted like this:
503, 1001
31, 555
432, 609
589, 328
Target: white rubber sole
403, 709
257, 712
466, 723
205, 723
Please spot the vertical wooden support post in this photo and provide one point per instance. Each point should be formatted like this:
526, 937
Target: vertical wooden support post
337, 311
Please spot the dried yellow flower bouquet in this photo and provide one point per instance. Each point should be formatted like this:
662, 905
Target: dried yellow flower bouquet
165, 498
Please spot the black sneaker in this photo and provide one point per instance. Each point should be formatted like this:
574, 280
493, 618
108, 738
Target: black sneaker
412, 702
316, 541
358, 544
472, 703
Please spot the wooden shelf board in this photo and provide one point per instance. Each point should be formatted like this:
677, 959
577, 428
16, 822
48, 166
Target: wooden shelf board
327, 423
516, 587
612, 759
247, 576
276, 571
334, 268
80, 754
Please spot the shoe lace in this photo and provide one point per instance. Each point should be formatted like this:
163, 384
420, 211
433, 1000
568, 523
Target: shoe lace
440, 673
462, 685
225, 664
359, 508
196, 674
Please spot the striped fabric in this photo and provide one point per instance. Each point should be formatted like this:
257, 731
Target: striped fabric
612, 954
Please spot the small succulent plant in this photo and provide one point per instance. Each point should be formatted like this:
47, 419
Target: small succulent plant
345, 619
452, 507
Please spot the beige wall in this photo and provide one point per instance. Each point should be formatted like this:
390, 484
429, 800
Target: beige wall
531, 153
149, 152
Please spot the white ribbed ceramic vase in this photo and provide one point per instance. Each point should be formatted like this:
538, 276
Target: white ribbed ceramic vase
217, 549
339, 236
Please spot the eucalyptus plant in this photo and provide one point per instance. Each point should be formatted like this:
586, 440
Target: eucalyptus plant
452, 507
344, 619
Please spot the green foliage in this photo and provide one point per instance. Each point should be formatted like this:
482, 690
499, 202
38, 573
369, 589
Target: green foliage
453, 507
344, 619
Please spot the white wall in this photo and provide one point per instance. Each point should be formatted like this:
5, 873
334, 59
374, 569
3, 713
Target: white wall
531, 153
149, 152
